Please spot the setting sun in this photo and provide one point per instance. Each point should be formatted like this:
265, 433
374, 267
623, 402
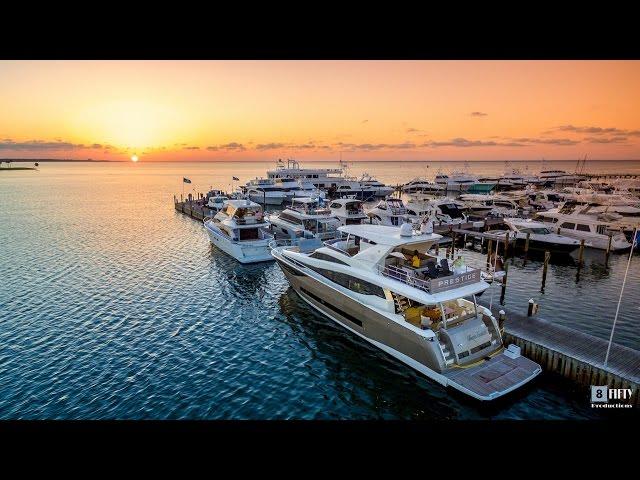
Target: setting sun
134, 158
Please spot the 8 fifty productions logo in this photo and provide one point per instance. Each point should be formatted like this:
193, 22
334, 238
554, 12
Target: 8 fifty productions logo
605, 397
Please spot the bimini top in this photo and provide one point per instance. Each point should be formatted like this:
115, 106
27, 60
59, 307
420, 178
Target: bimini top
389, 236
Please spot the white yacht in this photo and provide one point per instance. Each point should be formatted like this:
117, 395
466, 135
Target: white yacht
426, 316
540, 236
322, 178
298, 188
348, 211
304, 218
456, 182
216, 199
559, 178
418, 185
439, 210
265, 192
239, 230
498, 205
390, 212
572, 221
379, 189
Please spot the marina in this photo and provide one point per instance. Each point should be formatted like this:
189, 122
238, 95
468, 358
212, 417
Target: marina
561, 362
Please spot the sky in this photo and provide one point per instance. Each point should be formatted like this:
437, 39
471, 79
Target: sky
319, 110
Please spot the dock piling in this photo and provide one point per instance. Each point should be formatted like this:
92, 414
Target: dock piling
606, 256
547, 256
530, 309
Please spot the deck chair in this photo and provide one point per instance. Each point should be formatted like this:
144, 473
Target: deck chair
444, 264
432, 269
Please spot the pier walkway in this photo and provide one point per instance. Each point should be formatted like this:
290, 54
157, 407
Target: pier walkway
573, 354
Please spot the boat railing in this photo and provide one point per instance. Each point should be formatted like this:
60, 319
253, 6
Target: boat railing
462, 276
332, 245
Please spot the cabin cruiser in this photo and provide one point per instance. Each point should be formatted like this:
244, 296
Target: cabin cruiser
304, 218
559, 178
216, 199
390, 211
540, 236
265, 192
492, 205
379, 189
322, 178
572, 221
298, 188
456, 182
413, 306
352, 188
239, 230
418, 185
348, 211
440, 210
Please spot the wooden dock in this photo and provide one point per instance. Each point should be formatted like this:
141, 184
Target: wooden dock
573, 354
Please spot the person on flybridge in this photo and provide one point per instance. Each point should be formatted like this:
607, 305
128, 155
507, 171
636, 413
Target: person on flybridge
426, 226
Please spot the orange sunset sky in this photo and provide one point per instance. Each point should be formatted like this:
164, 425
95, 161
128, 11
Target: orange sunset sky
313, 110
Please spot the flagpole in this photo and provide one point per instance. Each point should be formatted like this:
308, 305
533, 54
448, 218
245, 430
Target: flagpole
615, 319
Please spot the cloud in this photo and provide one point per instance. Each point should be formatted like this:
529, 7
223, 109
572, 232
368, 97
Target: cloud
416, 130
478, 114
233, 146
364, 121
548, 141
42, 145
464, 143
617, 139
368, 147
191, 148
270, 146
597, 130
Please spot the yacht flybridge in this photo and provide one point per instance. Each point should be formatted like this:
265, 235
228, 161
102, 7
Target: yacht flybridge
304, 218
421, 310
239, 230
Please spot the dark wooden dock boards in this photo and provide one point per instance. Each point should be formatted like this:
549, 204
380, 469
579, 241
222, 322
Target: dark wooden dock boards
573, 354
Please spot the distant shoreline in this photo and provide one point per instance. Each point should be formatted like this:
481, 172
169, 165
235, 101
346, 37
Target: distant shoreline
32, 160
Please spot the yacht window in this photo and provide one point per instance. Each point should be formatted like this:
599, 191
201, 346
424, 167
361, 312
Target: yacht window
335, 205
568, 225
538, 231
289, 218
583, 228
352, 283
327, 258
249, 234
602, 229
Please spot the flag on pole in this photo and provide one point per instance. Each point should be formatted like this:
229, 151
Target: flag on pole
186, 180
236, 179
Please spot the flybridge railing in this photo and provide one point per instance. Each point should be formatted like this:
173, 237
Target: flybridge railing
432, 285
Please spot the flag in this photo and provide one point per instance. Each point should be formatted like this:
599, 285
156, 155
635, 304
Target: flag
186, 180
236, 179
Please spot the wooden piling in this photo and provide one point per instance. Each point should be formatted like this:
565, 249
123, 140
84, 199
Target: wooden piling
606, 257
489, 248
506, 247
547, 256
581, 254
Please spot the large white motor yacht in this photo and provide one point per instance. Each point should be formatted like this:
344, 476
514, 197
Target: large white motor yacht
421, 310
265, 192
572, 220
379, 189
390, 212
216, 199
348, 211
457, 181
559, 178
540, 236
304, 218
239, 230
419, 185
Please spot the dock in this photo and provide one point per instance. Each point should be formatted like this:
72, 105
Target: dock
572, 354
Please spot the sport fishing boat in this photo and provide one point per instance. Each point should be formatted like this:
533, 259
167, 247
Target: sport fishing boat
298, 188
304, 218
456, 182
421, 310
418, 185
540, 237
240, 230
573, 221
265, 192
216, 199
390, 212
348, 211
379, 188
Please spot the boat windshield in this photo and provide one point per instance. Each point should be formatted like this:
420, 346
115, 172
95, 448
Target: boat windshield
536, 230
452, 210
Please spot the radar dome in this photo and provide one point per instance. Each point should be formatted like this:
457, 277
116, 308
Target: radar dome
406, 230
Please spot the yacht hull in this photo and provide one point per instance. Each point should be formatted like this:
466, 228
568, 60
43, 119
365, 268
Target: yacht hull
244, 252
416, 351
266, 200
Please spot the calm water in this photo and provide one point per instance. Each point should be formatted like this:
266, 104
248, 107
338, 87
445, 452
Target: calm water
112, 305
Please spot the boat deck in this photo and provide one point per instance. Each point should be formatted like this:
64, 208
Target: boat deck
493, 378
